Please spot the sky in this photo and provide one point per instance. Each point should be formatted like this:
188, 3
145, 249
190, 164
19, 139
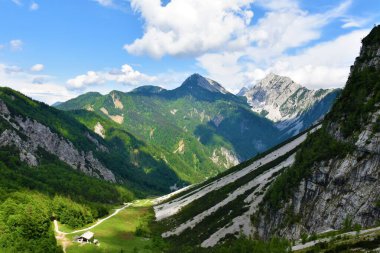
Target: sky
55, 50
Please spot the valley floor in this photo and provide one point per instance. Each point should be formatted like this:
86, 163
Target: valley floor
115, 233
125, 230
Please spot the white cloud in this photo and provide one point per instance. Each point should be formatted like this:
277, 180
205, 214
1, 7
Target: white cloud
34, 6
42, 88
284, 26
189, 27
278, 4
16, 45
37, 68
324, 65
354, 22
107, 3
126, 75
1, 46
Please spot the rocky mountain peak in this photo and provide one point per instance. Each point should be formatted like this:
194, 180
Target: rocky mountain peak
278, 83
370, 51
279, 98
197, 81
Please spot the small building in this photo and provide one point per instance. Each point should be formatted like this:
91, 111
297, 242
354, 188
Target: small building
87, 237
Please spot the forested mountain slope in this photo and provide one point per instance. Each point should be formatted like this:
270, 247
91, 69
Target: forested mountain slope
200, 128
31, 127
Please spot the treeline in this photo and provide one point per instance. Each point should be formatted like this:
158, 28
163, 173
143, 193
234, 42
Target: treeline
239, 245
30, 197
25, 223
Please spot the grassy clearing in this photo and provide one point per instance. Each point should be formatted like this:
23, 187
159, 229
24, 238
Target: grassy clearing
117, 234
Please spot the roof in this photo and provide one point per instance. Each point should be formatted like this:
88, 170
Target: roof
88, 235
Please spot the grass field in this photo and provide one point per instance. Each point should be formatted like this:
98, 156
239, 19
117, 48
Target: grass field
117, 234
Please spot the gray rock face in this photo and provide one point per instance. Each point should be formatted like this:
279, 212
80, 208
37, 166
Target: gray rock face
337, 189
341, 189
40, 136
280, 99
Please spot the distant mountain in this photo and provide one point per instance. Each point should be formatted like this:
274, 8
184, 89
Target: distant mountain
148, 89
197, 81
56, 104
242, 91
292, 107
201, 128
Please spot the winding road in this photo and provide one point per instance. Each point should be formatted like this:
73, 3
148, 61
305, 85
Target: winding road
56, 228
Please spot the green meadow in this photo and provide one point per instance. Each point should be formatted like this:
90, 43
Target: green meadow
118, 234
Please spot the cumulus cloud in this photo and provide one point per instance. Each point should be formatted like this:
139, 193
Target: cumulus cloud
42, 88
184, 27
16, 45
286, 26
325, 65
125, 75
34, 6
37, 68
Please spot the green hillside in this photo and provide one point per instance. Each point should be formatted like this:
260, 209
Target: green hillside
199, 133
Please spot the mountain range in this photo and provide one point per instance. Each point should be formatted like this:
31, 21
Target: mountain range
200, 128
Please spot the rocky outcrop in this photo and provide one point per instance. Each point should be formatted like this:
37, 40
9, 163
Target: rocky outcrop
292, 107
224, 157
99, 129
29, 135
180, 148
345, 188
337, 190
279, 98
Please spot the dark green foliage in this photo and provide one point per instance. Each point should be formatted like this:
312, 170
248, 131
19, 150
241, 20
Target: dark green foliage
358, 99
131, 158
68, 212
242, 245
358, 245
25, 215
54, 177
373, 37
347, 224
25, 224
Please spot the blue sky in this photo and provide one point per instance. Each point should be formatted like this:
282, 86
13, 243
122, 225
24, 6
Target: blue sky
54, 50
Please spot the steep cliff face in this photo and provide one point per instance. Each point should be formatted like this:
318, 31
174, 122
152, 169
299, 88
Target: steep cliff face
29, 135
342, 186
279, 98
291, 106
